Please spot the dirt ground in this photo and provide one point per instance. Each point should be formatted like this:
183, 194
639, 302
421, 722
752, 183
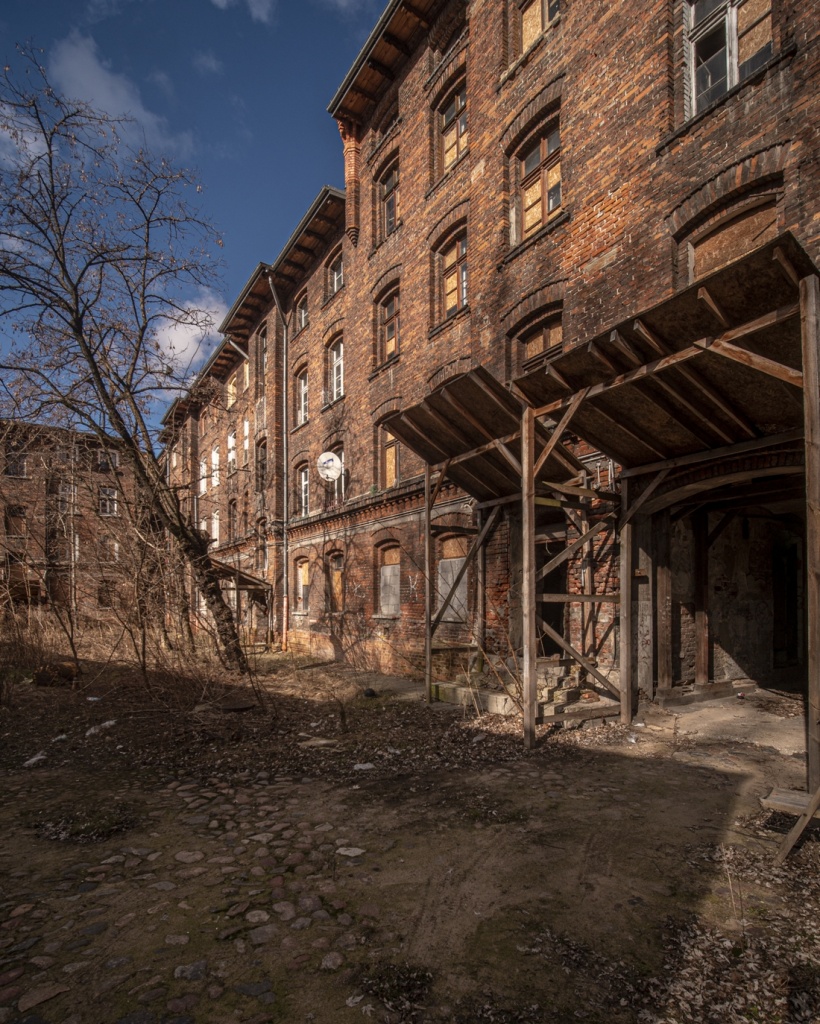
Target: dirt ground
329, 856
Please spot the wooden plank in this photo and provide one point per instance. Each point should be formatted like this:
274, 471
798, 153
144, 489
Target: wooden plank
639, 434
810, 338
510, 499
715, 454
643, 584
568, 552
580, 714
466, 415
706, 297
700, 523
508, 455
558, 432
797, 830
577, 656
786, 265
718, 530
580, 598
440, 482
528, 610
786, 801
626, 684
755, 362
663, 599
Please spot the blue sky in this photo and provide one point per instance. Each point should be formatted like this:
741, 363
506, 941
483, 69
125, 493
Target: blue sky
237, 89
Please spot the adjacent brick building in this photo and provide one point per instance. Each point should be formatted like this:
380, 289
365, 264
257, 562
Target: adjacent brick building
521, 176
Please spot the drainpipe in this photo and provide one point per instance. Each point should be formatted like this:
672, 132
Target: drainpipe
285, 463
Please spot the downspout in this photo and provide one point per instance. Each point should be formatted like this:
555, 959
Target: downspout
285, 464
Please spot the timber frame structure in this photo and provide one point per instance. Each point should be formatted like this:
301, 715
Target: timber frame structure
709, 402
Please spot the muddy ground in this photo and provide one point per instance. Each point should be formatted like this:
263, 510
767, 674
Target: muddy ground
347, 857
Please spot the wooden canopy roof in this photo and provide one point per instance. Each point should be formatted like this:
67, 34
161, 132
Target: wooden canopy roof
394, 38
472, 422
716, 365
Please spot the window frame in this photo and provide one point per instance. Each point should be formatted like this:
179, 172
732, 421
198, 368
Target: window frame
549, 10
302, 411
452, 115
335, 273
230, 458
335, 582
389, 580
388, 322
723, 15
301, 586
389, 475
108, 501
233, 520
457, 270
461, 599
203, 476
389, 199
335, 370
303, 490
261, 463
215, 466
541, 173
301, 312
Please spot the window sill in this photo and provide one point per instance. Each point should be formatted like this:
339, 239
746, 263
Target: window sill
388, 364
447, 175
299, 426
462, 314
299, 330
528, 54
385, 618
694, 121
335, 401
560, 218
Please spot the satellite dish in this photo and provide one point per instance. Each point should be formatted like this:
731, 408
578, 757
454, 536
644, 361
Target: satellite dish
329, 465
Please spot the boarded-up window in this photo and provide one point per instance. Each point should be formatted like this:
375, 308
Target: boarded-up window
389, 583
302, 589
453, 552
336, 592
734, 237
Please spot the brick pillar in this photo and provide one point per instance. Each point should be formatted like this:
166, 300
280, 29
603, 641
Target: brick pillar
351, 138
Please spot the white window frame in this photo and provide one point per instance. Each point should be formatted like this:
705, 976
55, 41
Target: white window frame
390, 590
246, 441
336, 370
231, 456
336, 274
215, 466
108, 501
302, 398
203, 476
303, 493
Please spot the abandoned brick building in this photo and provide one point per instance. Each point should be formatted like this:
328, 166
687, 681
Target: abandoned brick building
568, 288
70, 537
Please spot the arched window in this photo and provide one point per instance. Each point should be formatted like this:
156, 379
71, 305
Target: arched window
389, 562
452, 117
302, 313
335, 274
335, 582
538, 177
454, 275
301, 588
233, 519
261, 464
303, 490
389, 324
389, 199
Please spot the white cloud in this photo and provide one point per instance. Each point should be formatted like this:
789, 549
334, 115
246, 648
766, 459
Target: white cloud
259, 10
77, 69
187, 346
207, 64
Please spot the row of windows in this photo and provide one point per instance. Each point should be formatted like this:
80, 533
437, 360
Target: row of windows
60, 547
16, 461
387, 584
209, 471
334, 282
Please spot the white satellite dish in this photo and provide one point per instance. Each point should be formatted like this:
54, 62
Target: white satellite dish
329, 465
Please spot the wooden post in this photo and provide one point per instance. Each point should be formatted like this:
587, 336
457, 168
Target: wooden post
428, 589
480, 599
529, 681
663, 599
644, 584
810, 333
700, 525
625, 630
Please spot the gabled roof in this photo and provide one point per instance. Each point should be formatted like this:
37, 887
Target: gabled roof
395, 37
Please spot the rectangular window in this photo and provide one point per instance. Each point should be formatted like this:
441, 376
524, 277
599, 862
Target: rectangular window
246, 374
301, 595
261, 465
15, 462
390, 459
303, 495
108, 501
203, 476
231, 393
66, 497
454, 260
728, 41
389, 583
15, 521
540, 177
231, 452
108, 462
215, 467
389, 327
336, 275
302, 313
215, 527
302, 398
108, 549
246, 441
336, 567
454, 134
336, 370
390, 200
105, 596
448, 570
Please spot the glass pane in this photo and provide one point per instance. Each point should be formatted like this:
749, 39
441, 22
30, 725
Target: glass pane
532, 159
450, 293
710, 67
463, 276
553, 141
450, 256
554, 9
450, 146
703, 8
532, 206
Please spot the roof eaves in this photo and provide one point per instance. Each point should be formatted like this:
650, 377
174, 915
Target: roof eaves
364, 54
327, 192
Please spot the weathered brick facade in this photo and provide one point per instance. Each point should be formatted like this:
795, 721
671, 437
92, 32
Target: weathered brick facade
642, 184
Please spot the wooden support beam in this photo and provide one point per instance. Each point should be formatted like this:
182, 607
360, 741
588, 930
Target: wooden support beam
396, 43
663, 599
755, 361
711, 303
558, 377
718, 530
578, 598
428, 588
474, 548
528, 610
570, 550
640, 435
714, 454
810, 339
786, 265
581, 492
510, 499
628, 513
798, 828
508, 455
559, 430
603, 358
439, 484
626, 668
417, 14
381, 69
467, 416
700, 523
585, 664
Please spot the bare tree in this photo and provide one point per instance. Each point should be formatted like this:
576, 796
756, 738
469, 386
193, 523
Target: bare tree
101, 253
